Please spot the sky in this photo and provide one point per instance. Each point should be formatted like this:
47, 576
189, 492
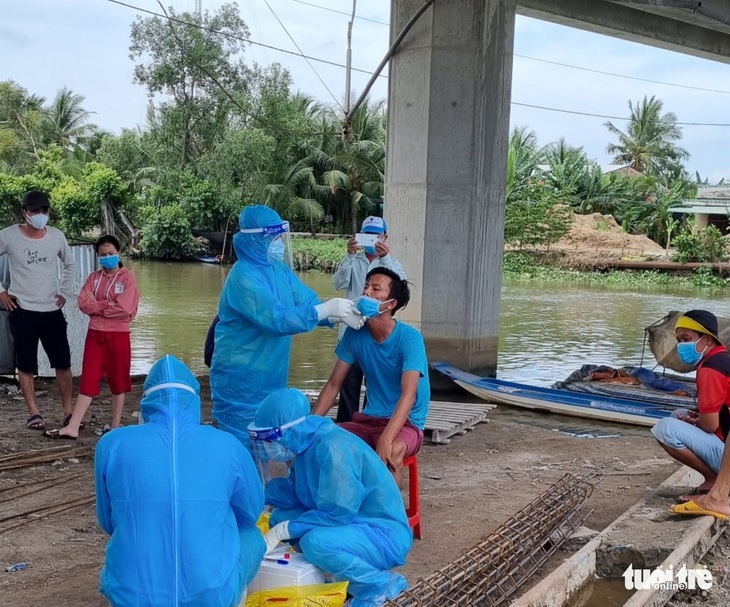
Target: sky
84, 45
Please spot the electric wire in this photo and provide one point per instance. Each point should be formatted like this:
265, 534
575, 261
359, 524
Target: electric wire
615, 75
550, 62
294, 42
538, 107
334, 10
240, 38
230, 97
578, 113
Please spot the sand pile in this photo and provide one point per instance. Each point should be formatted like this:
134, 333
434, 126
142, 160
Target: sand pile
601, 232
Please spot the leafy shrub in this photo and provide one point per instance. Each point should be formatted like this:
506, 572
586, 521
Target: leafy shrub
167, 234
705, 245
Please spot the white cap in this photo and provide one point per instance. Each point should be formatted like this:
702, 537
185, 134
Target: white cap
374, 225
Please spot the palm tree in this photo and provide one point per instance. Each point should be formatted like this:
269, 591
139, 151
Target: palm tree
523, 159
68, 121
648, 145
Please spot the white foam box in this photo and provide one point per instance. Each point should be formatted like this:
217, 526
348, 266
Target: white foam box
297, 571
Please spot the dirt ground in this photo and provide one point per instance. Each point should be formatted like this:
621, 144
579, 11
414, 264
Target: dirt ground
468, 488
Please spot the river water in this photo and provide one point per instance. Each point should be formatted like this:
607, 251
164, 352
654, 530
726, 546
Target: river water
548, 329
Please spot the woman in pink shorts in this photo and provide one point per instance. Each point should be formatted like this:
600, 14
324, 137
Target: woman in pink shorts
110, 298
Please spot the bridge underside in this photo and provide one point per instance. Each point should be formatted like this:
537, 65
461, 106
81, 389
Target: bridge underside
448, 134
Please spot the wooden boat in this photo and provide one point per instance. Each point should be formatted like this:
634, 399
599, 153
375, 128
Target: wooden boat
566, 402
215, 259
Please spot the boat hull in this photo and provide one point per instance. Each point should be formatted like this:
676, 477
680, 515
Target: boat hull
588, 406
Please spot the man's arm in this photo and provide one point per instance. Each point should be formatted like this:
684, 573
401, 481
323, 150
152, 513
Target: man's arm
409, 388
331, 389
67, 277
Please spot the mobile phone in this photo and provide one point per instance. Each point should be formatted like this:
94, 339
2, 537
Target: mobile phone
366, 240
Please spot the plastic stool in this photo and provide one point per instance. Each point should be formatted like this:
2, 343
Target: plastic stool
413, 512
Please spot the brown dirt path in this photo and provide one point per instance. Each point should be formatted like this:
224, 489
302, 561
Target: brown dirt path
468, 488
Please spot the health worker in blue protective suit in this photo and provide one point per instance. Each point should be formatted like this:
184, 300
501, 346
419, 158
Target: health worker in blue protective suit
262, 305
339, 501
180, 502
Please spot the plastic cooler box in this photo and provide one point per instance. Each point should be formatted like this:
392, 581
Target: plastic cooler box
282, 568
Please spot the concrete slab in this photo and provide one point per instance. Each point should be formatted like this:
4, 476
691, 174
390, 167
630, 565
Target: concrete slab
645, 536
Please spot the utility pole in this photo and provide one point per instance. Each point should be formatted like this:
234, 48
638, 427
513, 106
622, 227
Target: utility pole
348, 76
199, 9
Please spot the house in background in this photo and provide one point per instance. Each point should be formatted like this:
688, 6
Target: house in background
622, 170
710, 208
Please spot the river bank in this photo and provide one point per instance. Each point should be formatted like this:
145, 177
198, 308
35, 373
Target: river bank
468, 488
579, 266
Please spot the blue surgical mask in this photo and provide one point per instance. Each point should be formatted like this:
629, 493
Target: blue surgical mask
370, 250
109, 262
687, 351
276, 251
370, 307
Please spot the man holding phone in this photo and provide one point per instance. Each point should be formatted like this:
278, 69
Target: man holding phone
350, 277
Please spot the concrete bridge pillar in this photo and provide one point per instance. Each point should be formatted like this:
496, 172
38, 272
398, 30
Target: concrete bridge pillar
448, 133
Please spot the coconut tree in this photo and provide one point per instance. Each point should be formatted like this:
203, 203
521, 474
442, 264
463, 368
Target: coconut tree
68, 123
649, 143
523, 160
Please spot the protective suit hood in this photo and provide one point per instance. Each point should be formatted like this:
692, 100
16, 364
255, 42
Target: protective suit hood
284, 406
254, 247
170, 392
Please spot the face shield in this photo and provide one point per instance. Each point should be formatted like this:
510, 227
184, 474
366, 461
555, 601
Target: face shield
278, 242
270, 456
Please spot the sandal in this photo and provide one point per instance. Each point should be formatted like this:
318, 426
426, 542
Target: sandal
67, 421
35, 422
55, 434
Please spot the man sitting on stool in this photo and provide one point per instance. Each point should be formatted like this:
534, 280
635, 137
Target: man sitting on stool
392, 356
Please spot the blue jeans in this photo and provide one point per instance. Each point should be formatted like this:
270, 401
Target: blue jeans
679, 434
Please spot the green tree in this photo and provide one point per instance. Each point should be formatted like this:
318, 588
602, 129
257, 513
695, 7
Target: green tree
22, 121
67, 122
166, 233
197, 70
649, 144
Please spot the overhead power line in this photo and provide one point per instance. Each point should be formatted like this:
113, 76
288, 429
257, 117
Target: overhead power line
578, 113
604, 73
548, 61
537, 107
240, 38
294, 42
334, 10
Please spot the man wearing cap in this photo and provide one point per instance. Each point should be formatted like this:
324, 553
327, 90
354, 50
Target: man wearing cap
350, 277
697, 438
35, 299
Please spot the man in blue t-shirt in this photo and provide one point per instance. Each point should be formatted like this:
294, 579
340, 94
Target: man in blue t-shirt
392, 356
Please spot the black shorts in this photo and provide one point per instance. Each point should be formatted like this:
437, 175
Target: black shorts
28, 328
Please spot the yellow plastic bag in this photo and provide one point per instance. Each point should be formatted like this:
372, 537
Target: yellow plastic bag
316, 595
263, 522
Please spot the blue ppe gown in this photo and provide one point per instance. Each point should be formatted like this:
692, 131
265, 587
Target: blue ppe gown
342, 503
262, 305
179, 501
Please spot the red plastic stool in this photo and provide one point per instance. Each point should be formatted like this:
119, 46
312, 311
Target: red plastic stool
413, 512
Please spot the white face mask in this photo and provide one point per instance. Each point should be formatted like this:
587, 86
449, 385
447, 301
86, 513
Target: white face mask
38, 221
